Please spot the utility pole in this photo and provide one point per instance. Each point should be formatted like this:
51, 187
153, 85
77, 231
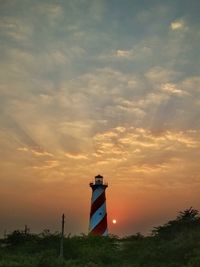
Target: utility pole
26, 230
5, 234
62, 237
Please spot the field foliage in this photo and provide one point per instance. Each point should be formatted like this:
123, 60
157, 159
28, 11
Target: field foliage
174, 244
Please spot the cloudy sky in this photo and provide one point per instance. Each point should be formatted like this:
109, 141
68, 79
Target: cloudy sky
98, 86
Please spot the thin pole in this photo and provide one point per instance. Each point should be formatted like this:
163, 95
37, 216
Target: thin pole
5, 234
25, 229
62, 236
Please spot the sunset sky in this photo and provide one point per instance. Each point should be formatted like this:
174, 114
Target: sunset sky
93, 87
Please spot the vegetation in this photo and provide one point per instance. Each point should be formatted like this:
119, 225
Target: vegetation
174, 244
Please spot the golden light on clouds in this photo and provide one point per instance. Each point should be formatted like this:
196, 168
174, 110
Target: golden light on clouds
178, 25
124, 53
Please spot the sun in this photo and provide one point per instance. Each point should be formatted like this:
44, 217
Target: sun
114, 221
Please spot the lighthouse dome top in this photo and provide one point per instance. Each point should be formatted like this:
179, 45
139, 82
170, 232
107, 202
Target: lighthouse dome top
99, 176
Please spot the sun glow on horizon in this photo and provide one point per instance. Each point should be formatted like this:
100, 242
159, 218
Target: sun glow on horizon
114, 221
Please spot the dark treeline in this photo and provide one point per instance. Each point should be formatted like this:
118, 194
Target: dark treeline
174, 244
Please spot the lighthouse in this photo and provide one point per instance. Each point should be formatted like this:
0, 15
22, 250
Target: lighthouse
98, 214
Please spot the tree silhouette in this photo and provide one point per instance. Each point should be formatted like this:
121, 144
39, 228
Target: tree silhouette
185, 220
